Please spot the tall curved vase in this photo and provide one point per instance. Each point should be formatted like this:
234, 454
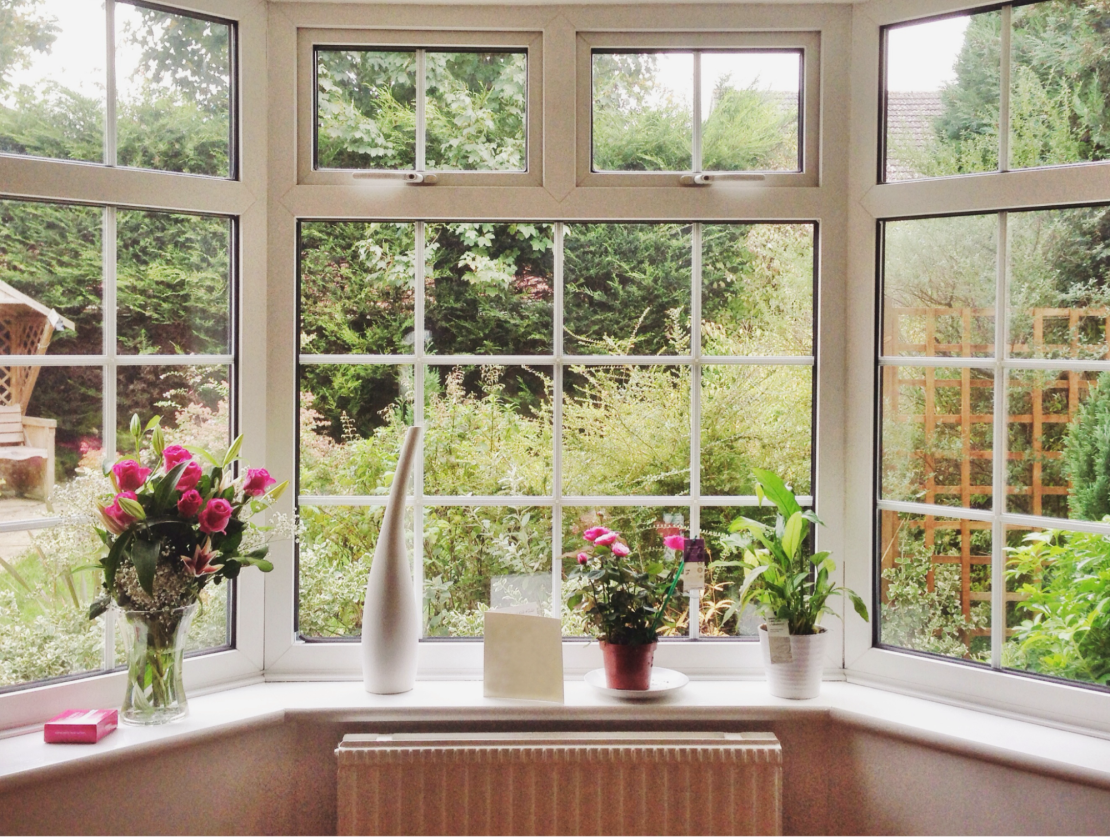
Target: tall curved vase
390, 626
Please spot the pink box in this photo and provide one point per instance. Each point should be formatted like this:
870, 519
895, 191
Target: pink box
80, 726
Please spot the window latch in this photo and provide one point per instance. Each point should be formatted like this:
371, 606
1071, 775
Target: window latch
699, 179
420, 178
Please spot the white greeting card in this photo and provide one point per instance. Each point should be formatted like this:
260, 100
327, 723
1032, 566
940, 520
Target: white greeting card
523, 655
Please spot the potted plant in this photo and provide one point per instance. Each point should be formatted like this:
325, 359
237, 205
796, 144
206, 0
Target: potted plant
624, 603
791, 587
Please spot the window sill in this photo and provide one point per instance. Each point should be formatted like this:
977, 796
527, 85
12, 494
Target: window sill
1027, 746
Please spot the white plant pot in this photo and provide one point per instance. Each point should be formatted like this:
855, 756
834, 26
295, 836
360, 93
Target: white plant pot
799, 679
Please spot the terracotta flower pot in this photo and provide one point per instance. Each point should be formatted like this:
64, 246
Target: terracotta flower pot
628, 667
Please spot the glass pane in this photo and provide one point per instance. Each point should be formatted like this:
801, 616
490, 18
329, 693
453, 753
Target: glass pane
352, 421
722, 583
939, 278
334, 551
357, 287
749, 111
757, 289
173, 283
937, 435
477, 558
1055, 582
50, 259
642, 529
755, 416
475, 111
627, 289
942, 97
489, 288
52, 80
1059, 302
192, 401
1058, 110
365, 109
936, 586
642, 107
626, 430
173, 81
488, 430
211, 628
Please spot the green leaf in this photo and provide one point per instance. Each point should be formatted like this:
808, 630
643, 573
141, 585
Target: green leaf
163, 494
12, 572
144, 555
793, 534
111, 561
776, 489
859, 605
278, 490
99, 606
154, 422
232, 451
200, 451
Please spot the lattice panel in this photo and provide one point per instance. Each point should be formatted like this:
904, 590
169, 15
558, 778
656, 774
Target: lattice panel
22, 335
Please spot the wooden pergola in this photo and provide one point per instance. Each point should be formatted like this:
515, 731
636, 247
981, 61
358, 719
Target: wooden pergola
26, 328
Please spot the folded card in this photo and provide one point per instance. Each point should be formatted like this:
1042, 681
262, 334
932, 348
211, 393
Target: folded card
523, 655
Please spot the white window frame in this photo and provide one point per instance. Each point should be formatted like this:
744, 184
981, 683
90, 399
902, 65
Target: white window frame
557, 198
1058, 702
241, 198
529, 42
808, 43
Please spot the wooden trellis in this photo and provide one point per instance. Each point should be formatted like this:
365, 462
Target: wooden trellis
954, 407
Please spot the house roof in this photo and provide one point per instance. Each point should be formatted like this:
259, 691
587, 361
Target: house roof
910, 124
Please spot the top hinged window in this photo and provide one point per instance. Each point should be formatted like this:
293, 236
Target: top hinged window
395, 104
696, 109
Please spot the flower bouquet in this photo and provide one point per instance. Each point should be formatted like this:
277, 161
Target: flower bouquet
624, 604
173, 526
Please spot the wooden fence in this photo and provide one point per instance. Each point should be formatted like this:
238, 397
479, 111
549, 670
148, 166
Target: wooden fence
954, 406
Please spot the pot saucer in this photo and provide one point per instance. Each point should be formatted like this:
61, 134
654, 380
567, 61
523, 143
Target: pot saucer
664, 681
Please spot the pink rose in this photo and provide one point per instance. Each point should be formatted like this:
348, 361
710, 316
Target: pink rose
608, 539
257, 481
583, 557
189, 477
201, 562
595, 533
174, 455
215, 516
116, 518
129, 474
620, 550
675, 542
189, 504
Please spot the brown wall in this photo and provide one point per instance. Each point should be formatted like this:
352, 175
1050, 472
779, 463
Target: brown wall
280, 779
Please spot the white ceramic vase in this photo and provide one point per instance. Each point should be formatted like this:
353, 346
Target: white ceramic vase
390, 626
799, 679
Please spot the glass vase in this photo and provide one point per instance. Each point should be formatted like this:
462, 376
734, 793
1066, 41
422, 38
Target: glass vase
155, 643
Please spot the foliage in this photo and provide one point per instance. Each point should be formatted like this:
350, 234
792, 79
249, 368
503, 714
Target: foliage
781, 578
1065, 631
1087, 455
623, 598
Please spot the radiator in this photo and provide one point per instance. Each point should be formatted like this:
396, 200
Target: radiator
560, 783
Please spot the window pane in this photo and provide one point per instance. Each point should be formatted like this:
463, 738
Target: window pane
334, 551
937, 435
755, 416
52, 80
488, 288
942, 97
211, 627
642, 106
173, 283
352, 421
476, 110
365, 109
1058, 109
642, 528
626, 430
192, 401
488, 430
50, 256
1056, 581
357, 285
1058, 297
627, 289
477, 558
939, 278
173, 80
757, 289
936, 585
749, 103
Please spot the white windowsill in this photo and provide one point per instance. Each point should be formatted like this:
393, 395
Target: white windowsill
1066, 755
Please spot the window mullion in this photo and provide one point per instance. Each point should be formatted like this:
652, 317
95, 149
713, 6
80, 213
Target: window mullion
695, 394
695, 150
418, 371
1004, 92
108, 402
421, 94
110, 82
998, 452
557, 433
